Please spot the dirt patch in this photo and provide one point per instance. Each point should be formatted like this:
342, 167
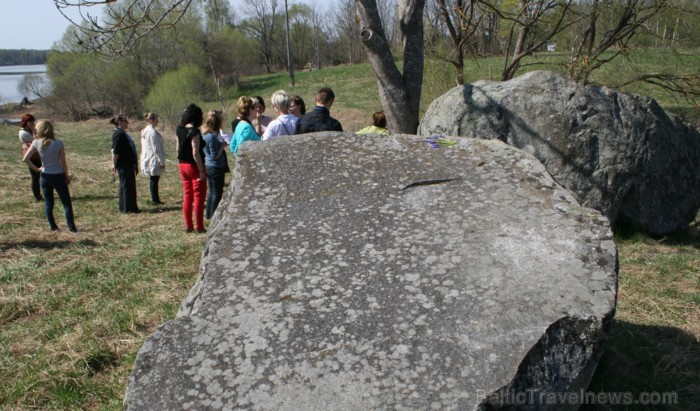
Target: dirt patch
352, 119
16, 111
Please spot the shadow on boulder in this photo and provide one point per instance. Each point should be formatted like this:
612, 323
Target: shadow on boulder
618, 153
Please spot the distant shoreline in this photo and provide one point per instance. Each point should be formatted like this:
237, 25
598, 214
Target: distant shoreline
17, 73
13, 57
12, 76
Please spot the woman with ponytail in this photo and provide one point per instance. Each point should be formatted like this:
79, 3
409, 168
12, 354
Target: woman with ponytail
125, 163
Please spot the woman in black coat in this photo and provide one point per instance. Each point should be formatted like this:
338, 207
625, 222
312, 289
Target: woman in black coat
125, 162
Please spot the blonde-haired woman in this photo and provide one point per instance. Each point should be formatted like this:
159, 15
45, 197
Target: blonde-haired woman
54, 172
244, 130
152, 155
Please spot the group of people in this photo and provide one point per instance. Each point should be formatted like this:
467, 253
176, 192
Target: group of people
252, 125
201, 155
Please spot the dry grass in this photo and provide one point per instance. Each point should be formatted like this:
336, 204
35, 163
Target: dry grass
75, 308
655, 342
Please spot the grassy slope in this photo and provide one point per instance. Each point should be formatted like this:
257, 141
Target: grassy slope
74, 309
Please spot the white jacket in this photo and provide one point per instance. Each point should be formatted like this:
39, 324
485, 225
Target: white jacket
152, 152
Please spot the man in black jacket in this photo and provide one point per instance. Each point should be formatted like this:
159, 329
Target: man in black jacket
319, 119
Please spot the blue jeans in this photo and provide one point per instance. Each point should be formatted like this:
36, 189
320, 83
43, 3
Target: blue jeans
49, 183
215, 178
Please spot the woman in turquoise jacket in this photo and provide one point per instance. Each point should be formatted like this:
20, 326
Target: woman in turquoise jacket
244, 130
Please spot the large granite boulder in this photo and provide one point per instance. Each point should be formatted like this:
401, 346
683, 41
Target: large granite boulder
618, 153
358, 273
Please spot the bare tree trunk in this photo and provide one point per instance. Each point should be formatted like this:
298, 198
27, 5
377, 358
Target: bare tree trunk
217, 83
263, 15
590, 54
399, 92
514, 66
463, 27
537, 23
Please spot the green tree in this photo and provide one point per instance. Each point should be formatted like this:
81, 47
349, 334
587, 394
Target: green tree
346, 28
120, 83
262, 23
399, 90
302, 32
76, 87
123, 23
218, 15
120, 88
173, 91
606, 31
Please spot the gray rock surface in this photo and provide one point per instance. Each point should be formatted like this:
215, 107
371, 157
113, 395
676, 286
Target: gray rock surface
365, 272
618, 153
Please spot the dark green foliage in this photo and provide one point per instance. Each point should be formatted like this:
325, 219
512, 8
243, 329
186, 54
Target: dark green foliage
23, 57
173, 91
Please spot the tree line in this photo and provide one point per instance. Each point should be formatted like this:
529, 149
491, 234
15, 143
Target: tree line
93, 71
146, 52
23, 57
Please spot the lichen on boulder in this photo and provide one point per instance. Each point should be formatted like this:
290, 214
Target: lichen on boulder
368, 272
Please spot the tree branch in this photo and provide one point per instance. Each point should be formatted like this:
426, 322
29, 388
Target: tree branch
122, 26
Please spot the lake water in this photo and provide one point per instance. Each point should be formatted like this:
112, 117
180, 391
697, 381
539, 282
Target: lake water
11, 76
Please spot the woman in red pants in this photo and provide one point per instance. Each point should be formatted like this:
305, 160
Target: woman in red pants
190, 154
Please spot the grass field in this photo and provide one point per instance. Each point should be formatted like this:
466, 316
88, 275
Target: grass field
75, 308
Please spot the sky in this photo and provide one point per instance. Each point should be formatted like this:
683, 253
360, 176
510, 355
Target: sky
32, 24
37, 24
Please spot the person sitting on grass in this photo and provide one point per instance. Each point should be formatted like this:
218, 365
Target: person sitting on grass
378, 126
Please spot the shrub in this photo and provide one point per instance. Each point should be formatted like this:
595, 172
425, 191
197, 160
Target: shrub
174, 90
